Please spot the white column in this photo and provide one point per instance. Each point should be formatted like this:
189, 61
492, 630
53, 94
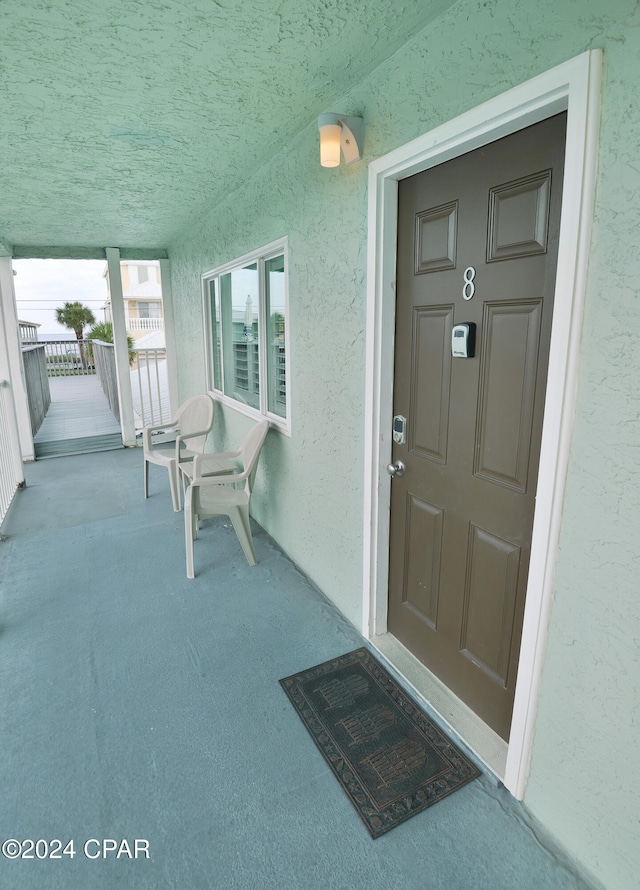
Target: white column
169, 335
14, 370
121, 349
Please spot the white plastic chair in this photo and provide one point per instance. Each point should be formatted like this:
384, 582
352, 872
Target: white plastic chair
209, 496
192, 423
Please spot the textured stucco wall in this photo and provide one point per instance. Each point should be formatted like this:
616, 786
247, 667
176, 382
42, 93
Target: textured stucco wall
309, 488
585, 774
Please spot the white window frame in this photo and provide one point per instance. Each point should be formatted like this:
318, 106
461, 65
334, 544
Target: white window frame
149, 303
260, 257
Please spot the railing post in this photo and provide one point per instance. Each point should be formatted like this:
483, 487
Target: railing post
10, 343
11, 470
121, 349
11, 473
169, 335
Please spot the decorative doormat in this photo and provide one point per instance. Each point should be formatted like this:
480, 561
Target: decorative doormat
390, 758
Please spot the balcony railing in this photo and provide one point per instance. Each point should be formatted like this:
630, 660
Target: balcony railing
145, 324
28, 332
73, 358
149, 388
68, 358
105, 363
36, 379
246, 375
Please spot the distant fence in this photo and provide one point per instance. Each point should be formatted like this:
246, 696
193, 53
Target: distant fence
68, 358
34, 361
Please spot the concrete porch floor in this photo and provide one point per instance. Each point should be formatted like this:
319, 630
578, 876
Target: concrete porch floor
140, 705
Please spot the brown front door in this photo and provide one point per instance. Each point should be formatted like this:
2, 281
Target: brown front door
477, 245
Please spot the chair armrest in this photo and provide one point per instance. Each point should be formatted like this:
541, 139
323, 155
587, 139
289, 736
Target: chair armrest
182, 437
206, 481
147, 430
223, 455
222, 479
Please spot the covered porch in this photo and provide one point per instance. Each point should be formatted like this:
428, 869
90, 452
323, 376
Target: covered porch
141, 705
187, 135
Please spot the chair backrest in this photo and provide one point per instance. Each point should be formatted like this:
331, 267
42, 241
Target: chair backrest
196, 415
250, 451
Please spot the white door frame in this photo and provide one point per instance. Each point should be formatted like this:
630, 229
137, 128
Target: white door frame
573, 86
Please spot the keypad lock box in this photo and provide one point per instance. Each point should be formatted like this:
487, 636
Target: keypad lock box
463, 340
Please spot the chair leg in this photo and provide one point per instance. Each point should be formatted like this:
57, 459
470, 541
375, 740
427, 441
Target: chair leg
175, 487
146, 477
188, 540
183, 481
239, 516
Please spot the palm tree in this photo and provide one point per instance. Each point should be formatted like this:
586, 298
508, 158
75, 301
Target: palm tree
103, 330
76, 317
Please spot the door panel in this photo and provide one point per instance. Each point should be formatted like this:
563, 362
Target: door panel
507, 392
519, 217
477, 243
430, 381
489, 603
422, 558
436, 231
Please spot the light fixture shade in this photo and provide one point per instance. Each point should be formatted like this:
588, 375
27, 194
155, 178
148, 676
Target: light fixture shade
339, 132
330, 145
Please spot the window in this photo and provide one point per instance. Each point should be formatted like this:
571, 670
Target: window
245, 305
148, 310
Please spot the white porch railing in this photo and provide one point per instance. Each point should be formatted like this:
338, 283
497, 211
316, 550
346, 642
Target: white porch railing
150, 388
145, 324
149, 383
28, 331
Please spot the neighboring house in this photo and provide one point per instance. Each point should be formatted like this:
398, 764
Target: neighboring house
142, 295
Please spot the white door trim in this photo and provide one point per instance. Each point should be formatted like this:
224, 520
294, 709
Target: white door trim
573, 86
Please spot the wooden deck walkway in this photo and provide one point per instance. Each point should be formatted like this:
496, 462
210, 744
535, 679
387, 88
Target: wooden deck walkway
78, 421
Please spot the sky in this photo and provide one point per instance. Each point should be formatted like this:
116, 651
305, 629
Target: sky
41, 286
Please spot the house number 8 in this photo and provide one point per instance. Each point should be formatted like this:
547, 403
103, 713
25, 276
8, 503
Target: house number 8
469, 288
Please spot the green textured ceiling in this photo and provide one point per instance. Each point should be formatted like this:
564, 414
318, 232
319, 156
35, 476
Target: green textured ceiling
122, 121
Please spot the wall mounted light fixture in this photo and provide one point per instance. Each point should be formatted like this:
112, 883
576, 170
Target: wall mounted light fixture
339, 131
